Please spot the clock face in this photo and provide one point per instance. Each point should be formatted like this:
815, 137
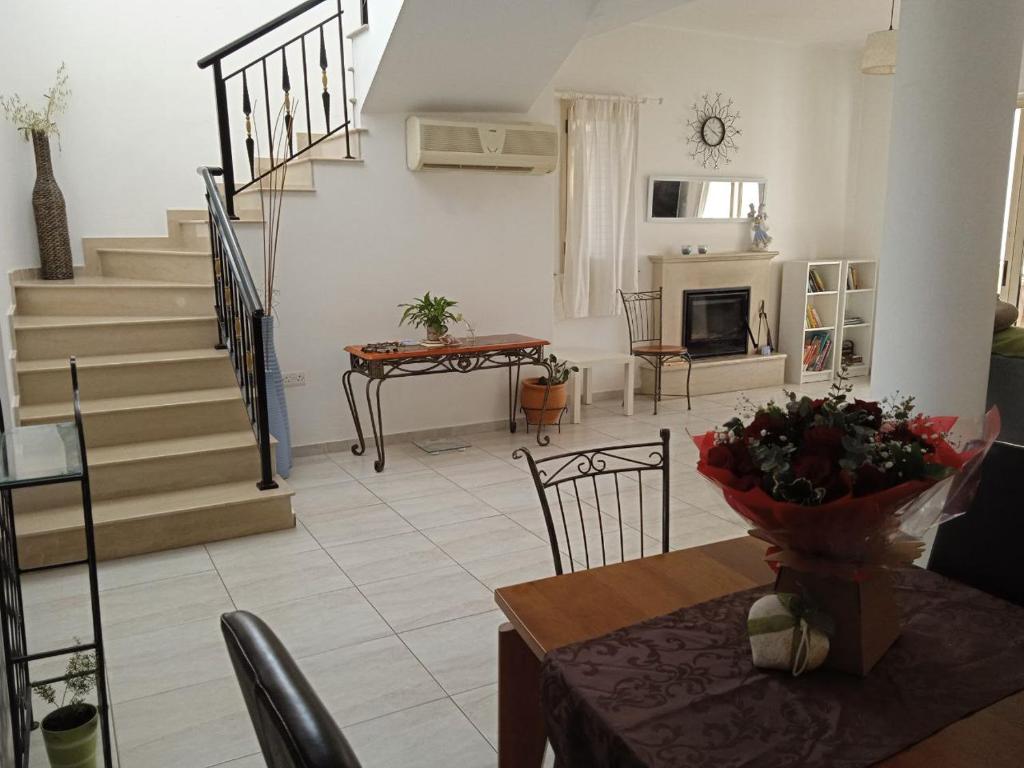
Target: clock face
713, 131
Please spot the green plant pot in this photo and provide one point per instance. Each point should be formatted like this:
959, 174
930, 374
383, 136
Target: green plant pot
69, 734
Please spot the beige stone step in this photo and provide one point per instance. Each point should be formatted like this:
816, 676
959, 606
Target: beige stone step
332, 148
175, 266
140, 418
107, 296
131, 469
153, 522
138, 373
39, 337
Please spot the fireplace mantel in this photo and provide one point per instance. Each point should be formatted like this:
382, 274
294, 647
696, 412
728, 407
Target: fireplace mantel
695, 258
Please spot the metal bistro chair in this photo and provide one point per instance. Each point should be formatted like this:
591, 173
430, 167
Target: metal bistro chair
643, 319
293, 726
616, 467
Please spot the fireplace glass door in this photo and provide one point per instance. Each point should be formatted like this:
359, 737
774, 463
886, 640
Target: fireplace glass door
715, 321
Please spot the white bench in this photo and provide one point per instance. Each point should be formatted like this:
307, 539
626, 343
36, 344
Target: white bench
585, 358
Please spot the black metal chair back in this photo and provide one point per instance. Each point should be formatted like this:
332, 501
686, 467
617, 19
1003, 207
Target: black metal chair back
293, 726
982, 547
643, 316
590, 488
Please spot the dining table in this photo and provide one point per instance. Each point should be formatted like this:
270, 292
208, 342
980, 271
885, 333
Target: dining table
548, 616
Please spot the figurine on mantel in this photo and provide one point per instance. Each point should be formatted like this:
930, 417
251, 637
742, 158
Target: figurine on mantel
759, 223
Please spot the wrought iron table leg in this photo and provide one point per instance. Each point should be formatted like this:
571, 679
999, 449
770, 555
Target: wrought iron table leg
376, 422
657, 384
513, 396
689, 370
543, 439
346, 382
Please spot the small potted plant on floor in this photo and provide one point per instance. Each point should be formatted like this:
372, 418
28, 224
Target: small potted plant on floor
433, 313
69, 731
531, 394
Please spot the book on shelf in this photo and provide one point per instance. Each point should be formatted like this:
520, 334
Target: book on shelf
813, 318
814, 282
853, 320
852, 279
816, 352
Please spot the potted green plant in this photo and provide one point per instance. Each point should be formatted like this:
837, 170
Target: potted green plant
531, 393
69, 731
430, 312
47, 200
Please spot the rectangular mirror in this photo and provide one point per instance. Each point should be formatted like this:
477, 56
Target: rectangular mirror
681, 198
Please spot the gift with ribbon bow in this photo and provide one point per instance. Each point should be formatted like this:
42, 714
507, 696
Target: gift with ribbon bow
788, 632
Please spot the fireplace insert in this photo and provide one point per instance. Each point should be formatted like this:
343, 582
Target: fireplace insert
715, 321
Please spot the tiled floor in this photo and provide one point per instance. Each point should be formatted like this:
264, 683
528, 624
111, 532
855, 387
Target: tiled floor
383, 592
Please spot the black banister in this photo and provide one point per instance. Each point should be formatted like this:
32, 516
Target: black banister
240, 316
257, 33
279, 111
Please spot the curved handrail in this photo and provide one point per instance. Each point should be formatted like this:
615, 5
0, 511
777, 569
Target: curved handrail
257, 33
239, 265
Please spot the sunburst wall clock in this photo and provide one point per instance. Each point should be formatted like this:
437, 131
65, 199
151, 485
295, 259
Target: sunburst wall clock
713, 131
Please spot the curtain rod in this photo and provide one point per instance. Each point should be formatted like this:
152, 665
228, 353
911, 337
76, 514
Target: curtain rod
609, 97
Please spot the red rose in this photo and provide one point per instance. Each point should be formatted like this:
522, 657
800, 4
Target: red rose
720, 456
816, 469
869, 479
871, 409
823, 441
816, 404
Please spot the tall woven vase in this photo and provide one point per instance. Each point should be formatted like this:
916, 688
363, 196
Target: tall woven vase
51, 215
277, 406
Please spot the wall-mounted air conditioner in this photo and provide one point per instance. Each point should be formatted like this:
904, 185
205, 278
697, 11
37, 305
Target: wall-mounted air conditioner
442, 143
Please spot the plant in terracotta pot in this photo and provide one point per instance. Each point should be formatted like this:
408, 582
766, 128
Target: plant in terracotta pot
430, 312
531, 394
69, 731
47, 201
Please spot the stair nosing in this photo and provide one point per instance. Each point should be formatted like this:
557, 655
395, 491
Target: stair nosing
246, 439
23, 322
116, 283
48, 365
89, 408
156, 251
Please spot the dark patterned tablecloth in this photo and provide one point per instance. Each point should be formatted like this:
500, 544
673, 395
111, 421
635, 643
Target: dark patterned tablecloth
681, 691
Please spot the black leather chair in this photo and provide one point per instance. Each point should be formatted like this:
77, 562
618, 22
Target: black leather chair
982, 548
292, 724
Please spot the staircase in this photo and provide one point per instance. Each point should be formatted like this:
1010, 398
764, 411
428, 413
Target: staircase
172, 454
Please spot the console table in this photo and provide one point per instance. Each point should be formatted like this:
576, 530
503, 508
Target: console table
482, 353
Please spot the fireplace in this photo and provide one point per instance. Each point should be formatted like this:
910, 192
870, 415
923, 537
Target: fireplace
715, 321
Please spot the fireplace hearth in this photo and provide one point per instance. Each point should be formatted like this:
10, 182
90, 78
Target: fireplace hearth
715, 321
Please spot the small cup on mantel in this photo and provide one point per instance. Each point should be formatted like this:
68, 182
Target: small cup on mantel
686, 250
702, 249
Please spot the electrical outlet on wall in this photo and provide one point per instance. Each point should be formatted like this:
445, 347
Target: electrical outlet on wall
295, 379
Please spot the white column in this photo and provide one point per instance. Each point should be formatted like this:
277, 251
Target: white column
953, 100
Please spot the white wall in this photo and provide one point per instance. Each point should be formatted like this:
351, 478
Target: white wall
798, 107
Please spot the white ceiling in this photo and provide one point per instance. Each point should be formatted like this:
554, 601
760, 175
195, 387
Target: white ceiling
826, 22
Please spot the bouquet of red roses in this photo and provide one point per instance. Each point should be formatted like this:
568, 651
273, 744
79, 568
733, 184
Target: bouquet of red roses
836, 484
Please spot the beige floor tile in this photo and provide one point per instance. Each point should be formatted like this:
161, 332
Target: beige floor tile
158, 565
460, 654
368, 680
389, 557
198, 726
442, 509
325, 498
249, 761
312, 474
473, 539
173, 657
346, 526
398, 461
284, 542
488, 471
508, 496
159, 604
428, 598
434, 735
260, 582
469, 455
480, 705
514, 568
324, 622
407, 485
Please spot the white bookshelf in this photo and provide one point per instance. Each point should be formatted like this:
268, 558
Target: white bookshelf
796, 331
857, 302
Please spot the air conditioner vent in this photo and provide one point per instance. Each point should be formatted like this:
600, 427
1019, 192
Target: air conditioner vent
544, 143
450, 138
438, 142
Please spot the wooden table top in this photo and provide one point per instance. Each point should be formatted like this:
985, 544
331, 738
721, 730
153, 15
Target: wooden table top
560, 610
494, 343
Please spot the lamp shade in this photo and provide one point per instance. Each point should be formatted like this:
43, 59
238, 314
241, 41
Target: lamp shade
880, 53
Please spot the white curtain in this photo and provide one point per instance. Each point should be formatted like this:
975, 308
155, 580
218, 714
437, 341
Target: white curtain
600, 238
